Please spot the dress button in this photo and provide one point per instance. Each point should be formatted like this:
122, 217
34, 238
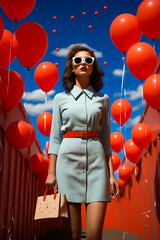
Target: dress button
82, 171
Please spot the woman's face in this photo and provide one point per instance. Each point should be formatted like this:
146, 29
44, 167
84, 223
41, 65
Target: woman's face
82, 69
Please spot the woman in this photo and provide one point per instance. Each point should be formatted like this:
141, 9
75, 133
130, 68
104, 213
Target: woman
80, 163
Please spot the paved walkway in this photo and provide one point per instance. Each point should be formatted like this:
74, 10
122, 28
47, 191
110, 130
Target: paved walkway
115, 234
108, 234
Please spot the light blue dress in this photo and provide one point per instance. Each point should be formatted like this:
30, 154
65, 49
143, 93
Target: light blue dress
81, 168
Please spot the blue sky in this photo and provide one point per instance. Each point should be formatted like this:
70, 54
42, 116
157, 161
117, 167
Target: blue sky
76, 31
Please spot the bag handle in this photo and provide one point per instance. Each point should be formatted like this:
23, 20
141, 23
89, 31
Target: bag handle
54, 196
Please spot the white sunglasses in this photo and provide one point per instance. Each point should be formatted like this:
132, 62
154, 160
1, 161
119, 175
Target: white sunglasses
78, 60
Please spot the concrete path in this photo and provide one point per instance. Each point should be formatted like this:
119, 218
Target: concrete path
108, 234
115, 234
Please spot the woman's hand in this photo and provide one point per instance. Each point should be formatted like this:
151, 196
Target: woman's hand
114, 187
51, 182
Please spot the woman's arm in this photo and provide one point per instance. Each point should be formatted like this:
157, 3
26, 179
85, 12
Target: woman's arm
113, 182
51, 180
55, 142
52, 164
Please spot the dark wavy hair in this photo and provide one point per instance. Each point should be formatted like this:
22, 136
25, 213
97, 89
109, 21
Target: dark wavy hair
69, 77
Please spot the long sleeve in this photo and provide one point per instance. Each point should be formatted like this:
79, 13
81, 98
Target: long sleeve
56, 135
105, 127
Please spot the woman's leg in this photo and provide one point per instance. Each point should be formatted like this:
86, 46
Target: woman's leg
72, 224
95, 219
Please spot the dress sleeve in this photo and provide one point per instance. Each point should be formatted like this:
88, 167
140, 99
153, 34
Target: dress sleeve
105, 127
56, 135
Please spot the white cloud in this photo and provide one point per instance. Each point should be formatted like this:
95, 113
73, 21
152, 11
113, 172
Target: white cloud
37, 95
137, 107
132, 95
64, 51
135, 94
133, 121
117, 72
130, 123
36, 109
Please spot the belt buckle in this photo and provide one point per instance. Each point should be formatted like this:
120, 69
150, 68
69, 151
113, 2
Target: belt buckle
83, 133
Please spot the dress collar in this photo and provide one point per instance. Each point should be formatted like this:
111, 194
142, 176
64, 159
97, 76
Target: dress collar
76, 91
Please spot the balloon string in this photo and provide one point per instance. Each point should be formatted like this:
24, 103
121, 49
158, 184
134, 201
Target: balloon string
123, 73
154, 44
46, 99
125, 131
45, 122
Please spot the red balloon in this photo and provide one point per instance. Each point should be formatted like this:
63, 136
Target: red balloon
18, 134
148, 17
1, 27
11, 89
7, 54
121, 183
133, 152
90, 26
41, 177
121, 111
124, 31
151, 91
47, 148
32, 136
46, 76
38, 163
84, 13
117, 141
17, 9
116, 161
44, 121
141, 135
124, 172
141, 60
30, 50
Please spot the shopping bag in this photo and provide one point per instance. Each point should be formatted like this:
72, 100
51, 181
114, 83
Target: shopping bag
51, 206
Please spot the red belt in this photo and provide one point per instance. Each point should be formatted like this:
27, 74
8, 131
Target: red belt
83, 133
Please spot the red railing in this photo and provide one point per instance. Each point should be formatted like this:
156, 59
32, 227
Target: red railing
19, 187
